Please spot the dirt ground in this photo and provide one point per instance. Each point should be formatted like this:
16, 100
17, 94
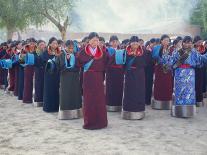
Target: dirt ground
25, 130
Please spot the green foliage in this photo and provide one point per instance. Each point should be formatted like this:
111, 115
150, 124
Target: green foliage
40, 11
199, 16
12, 15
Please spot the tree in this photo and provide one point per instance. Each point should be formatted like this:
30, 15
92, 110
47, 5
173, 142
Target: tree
199, 16
55, 11
12, 16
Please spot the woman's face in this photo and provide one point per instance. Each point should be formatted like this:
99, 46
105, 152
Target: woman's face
32, 45
101, 43
70, 49
19, 46
134, 45
42, 46
54, 45
187, 45
165, 42
94, 42
114, 43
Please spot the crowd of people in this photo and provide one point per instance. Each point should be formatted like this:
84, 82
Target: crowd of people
91, 77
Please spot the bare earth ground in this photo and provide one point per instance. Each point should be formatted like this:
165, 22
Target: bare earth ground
25, 130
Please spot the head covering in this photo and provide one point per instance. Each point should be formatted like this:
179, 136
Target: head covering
134, 39
92, 35
113, 37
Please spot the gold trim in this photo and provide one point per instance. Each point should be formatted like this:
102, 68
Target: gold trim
132, 115
114, 108
70, 114
38, 104
161, 105
183, 111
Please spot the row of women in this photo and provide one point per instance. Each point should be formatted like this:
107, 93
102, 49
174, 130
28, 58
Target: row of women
95, 78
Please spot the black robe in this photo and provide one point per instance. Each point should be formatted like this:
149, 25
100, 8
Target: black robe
39, 79
70, 90
51, 85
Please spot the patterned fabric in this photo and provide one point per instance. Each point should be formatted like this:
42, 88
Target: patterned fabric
185, 86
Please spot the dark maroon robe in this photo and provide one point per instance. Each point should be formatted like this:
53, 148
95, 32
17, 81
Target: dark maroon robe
149, 71
94, 107
16, 68
163, 84
28, 84
134, 89
11, 79
114, 84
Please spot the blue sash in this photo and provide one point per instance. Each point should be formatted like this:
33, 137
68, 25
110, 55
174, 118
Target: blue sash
111, 51
6, 63
75, 46
88, 65
72, 61
156, 51
129, 64
29, 59
120, 57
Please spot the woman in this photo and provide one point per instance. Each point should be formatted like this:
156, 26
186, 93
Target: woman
163, 83
199, 72
39, 75
94, 60
70, 88
16, 67
184, 61
51, 79
114, 79
29, 74
134, 89
149, 72
21, 70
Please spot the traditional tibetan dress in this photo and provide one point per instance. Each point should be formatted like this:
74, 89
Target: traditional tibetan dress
114, 83
51, 83
184, 63
94, 62
39, 81
28, 78
70, 88
134, 88
163, 83
149, 71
